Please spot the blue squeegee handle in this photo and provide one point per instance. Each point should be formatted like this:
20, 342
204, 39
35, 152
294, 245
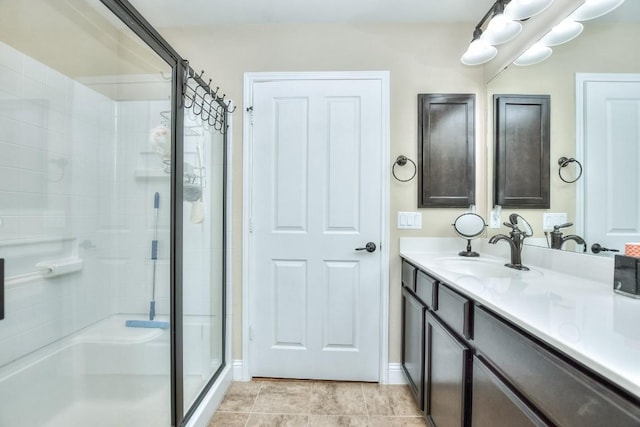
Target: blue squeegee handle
154, 255
154, 242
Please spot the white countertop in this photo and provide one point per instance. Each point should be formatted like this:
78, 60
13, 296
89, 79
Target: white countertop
583, 318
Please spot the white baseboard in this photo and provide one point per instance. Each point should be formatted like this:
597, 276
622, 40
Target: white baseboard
395, 374
237, 367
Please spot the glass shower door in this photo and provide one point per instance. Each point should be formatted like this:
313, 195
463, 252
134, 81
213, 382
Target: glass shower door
203, 245
80, 167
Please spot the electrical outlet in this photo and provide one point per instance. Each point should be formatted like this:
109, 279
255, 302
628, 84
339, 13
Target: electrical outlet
553, 218
410, 220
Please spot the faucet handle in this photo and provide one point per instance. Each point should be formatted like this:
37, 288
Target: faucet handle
510, 225
559, 226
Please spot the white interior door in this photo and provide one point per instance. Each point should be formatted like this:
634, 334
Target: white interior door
316, 196
611, 144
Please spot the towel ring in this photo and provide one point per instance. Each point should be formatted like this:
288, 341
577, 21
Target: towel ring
563, 162
401, 161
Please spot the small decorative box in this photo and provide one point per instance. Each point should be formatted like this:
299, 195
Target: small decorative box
626, 276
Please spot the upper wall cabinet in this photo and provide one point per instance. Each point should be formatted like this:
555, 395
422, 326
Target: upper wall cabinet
521, 171
446, 150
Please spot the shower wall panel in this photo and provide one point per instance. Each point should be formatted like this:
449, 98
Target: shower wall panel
57, 142
140, 173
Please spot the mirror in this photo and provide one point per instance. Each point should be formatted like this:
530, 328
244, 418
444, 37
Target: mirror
469, 226
606, 45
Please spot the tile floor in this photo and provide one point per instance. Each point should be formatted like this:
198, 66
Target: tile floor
316, 403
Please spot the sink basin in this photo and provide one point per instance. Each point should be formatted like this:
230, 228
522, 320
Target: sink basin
483, 268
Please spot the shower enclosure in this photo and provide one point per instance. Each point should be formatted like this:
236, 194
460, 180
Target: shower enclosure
112, 223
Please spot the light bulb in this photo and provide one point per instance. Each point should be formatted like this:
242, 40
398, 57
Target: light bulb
536, 53
523, 9
563, 32
479, 52
595, 8
501, 29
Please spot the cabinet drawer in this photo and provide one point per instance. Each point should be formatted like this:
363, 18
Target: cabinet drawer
426, 288
408, 275
454, 310
562, 392
494, 404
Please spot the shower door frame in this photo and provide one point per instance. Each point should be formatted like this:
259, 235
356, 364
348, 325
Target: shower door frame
143, 29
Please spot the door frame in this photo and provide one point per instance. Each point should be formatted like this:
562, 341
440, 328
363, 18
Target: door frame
252, 78
581, 80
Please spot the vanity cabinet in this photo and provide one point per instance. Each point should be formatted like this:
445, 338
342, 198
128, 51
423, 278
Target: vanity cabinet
447, 368
413, 343
495, 404
559, 389
435, 358
478, 369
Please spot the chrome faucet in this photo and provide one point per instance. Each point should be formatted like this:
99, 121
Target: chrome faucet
557, 240
515, 239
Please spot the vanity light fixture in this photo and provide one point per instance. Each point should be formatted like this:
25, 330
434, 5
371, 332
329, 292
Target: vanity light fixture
500, 25
592, 9
567, 30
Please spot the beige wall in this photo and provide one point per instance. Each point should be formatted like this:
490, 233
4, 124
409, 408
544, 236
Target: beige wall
421, 59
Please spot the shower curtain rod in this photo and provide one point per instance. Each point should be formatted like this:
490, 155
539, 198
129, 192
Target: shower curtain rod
203, 100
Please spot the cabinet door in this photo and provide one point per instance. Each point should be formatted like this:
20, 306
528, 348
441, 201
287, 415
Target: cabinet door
447, 364
495, 405
522, 151
446, 150
413, 343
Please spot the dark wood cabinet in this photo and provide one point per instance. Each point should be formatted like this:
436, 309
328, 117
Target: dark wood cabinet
446, 366
468, 366
522, 141
446, 150
495, 404
559, 389
413, 343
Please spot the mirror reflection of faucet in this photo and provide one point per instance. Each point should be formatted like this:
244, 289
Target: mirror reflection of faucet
558, 240
515, 239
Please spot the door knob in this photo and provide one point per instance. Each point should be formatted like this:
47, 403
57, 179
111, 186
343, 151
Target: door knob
369, 247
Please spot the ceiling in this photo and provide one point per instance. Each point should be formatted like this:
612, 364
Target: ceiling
180, 13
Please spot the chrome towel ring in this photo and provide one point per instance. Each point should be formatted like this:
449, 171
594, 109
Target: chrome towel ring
563, 162
401, 161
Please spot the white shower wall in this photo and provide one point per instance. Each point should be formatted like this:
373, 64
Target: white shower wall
77, 178
54, 133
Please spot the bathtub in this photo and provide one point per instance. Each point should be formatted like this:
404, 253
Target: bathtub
104, 375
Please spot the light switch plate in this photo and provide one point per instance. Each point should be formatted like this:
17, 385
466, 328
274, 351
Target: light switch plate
410, 220
494, 218
553, 218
